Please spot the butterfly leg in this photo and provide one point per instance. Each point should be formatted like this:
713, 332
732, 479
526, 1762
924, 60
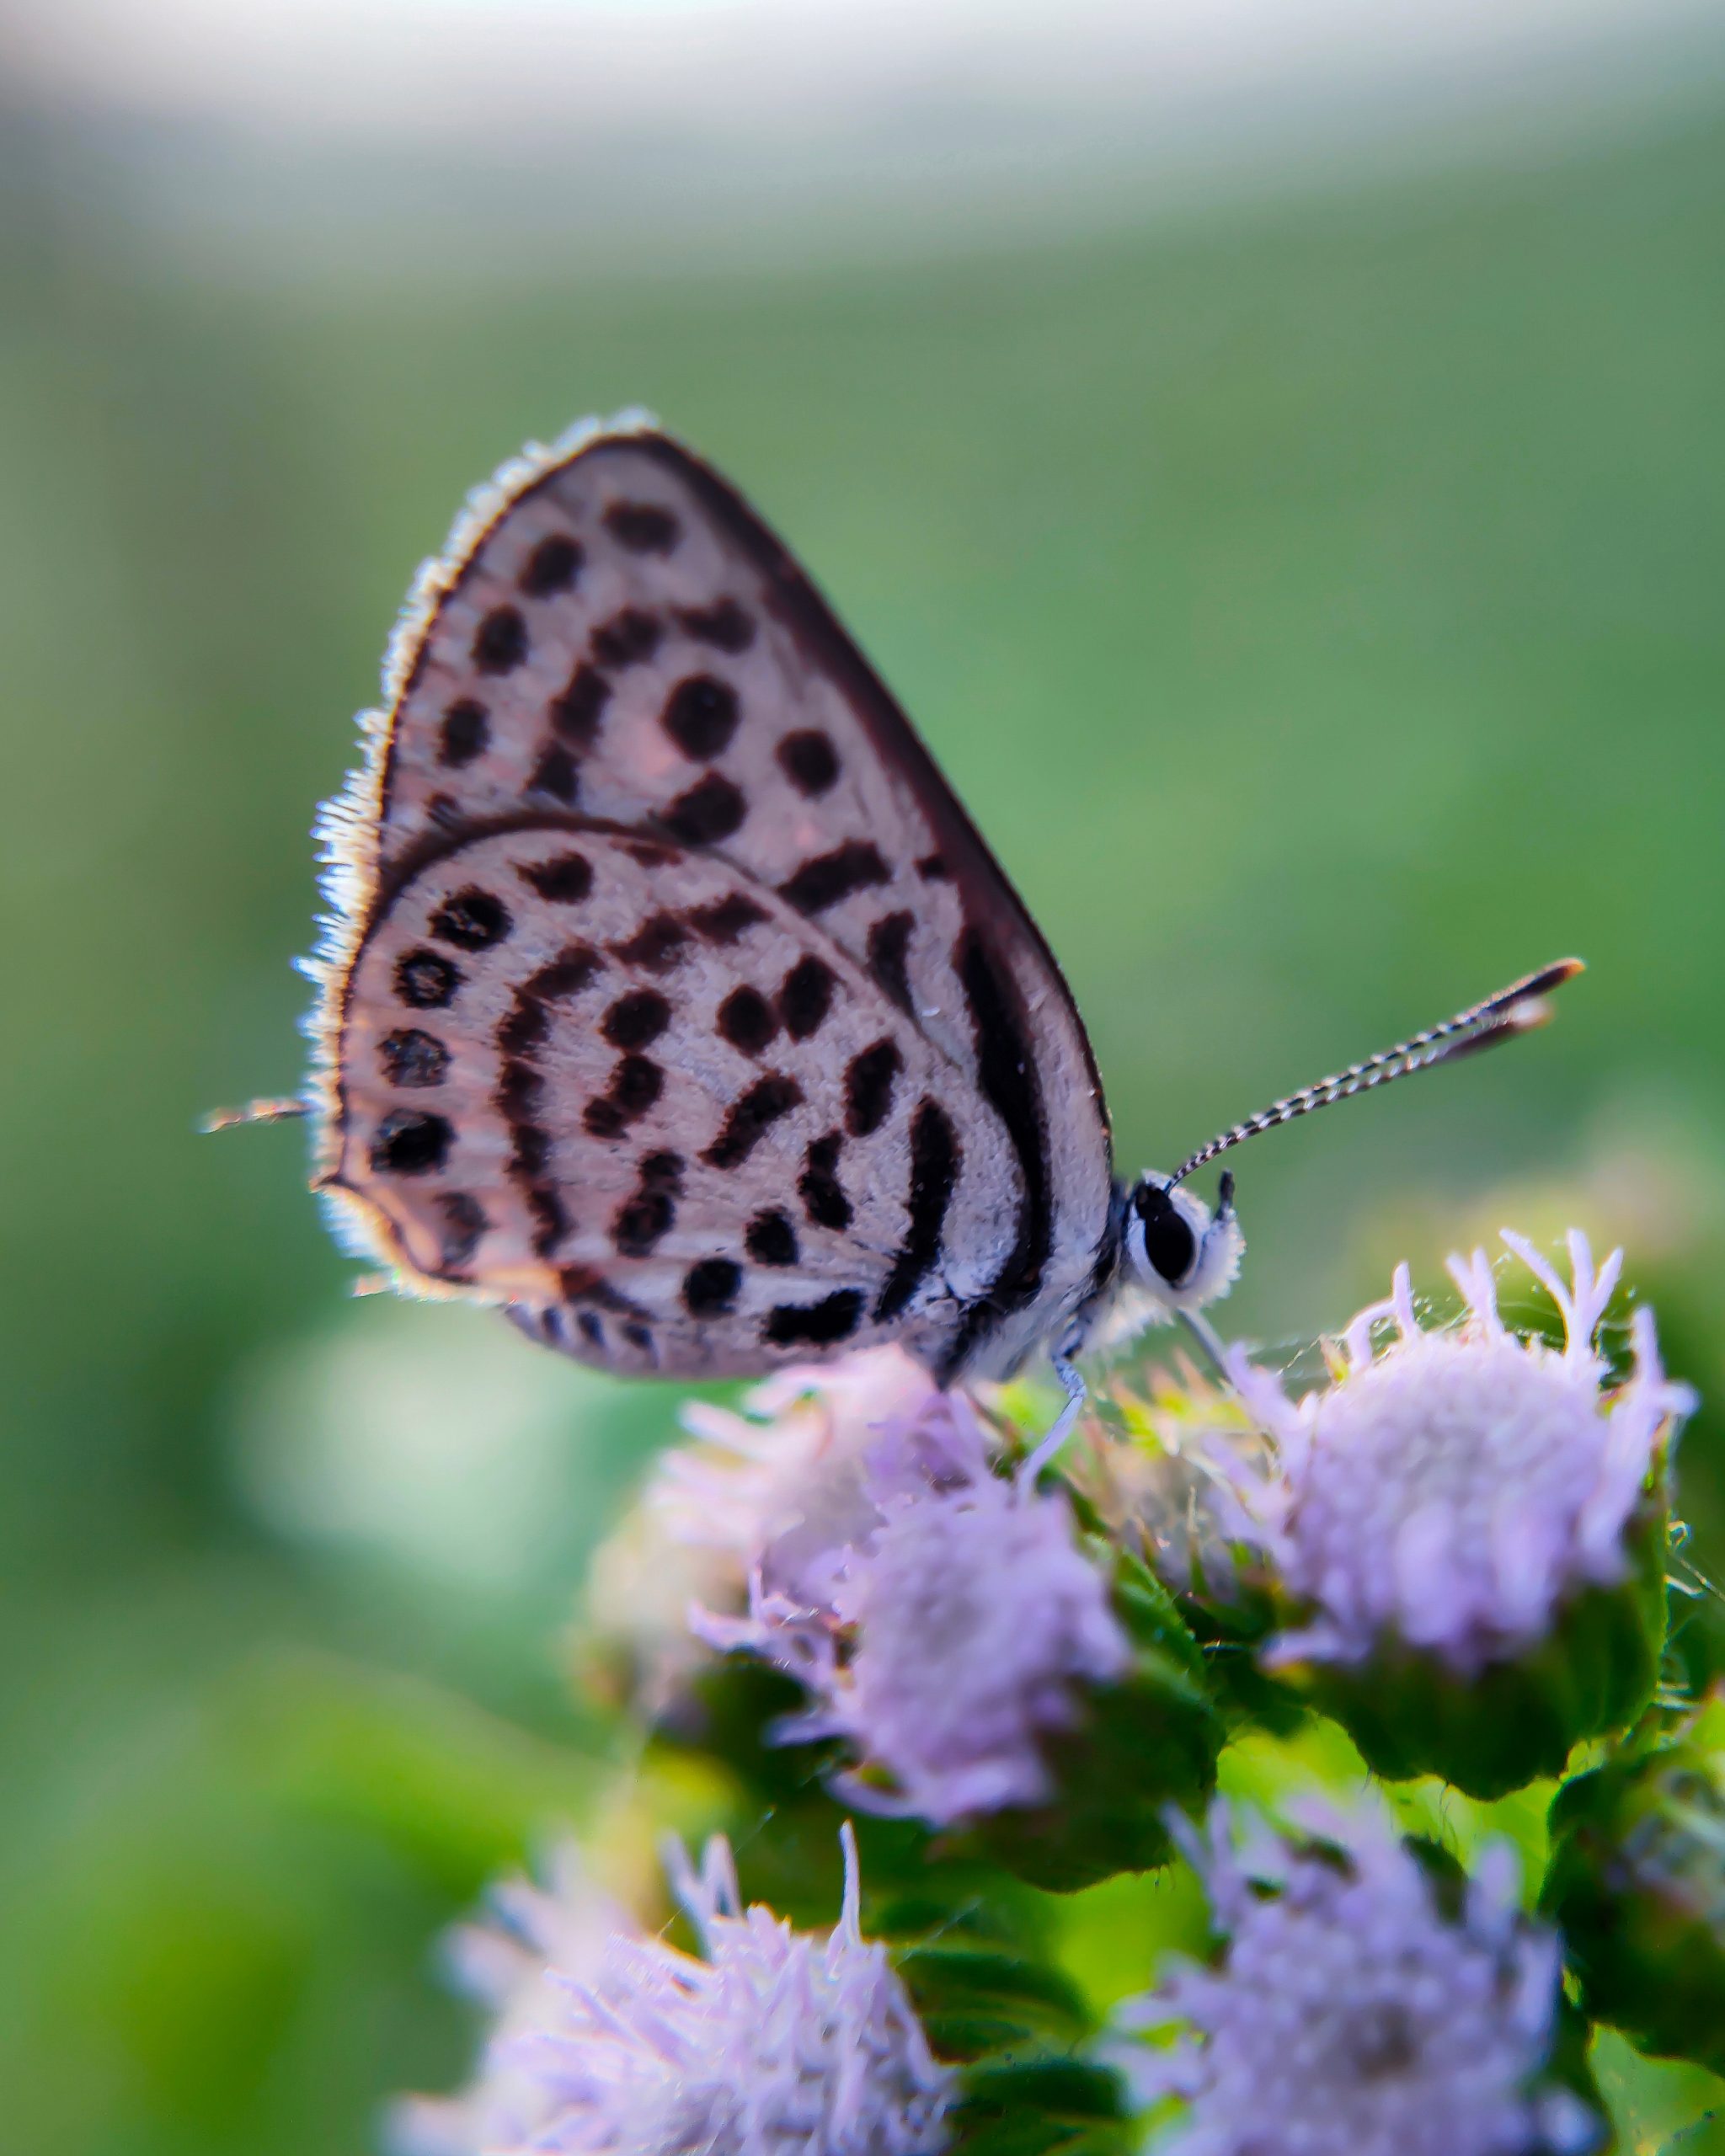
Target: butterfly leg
1205, 1334
1072, 1384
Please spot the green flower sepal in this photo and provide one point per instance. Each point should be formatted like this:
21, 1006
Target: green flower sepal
1637, 1881
1016, 2028
1515, 1720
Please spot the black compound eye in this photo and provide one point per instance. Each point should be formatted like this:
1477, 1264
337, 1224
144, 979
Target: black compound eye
1169, 1243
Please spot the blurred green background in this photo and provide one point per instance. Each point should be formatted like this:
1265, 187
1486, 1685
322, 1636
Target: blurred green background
1315, 592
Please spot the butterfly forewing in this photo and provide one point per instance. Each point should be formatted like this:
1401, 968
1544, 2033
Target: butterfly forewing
782, 928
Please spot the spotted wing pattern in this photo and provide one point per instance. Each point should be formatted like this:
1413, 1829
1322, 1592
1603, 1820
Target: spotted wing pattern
673, 1001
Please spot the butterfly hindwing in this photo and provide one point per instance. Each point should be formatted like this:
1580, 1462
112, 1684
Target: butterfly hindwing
618, 656
657, 1110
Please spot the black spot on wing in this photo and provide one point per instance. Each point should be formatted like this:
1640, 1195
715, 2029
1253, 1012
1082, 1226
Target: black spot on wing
530, 1149
518, 1090
472, 919
869, 1077
412, 1058
555, 774
639, 1222
575, 713
636, 1083
723, 625
628, 638
746, 1019
565, 879
552, 566
410, 1142
425, 981
934, 1175
809, 761
550, 1223
464, 735
823, 1196
544, 1327
637, 1020
726, 919
932, 869
643, 527
814, 1324
771, 1240
567, 973
500, 641
889, 953
523, 1026
806, 997
642, 1218
707, 813
710, 1288
827, 877
749, 1116
464, 1222
586, 1283
657, 945
701, 716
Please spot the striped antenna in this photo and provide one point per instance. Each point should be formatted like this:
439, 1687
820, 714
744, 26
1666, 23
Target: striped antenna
1517, 1009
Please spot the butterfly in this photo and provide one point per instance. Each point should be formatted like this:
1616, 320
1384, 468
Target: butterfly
670, 1000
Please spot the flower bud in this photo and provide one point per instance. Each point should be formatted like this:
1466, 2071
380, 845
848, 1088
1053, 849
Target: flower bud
1637, 1881
1157, 1462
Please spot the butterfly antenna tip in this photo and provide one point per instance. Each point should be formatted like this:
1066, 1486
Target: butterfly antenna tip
1519, 1008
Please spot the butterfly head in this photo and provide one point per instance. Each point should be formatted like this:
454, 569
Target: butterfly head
1177, 1252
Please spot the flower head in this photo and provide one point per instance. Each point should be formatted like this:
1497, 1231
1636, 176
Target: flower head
774, 1493
973, 1619
1347, 2014
768, 2042
944, 1617
783, 1491
1452, 1490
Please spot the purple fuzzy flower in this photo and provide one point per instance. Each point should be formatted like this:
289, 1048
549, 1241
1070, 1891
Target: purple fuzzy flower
1346, 2014
1454, 1489
774, 1494
785, 1491
949, 1638
769, 2042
